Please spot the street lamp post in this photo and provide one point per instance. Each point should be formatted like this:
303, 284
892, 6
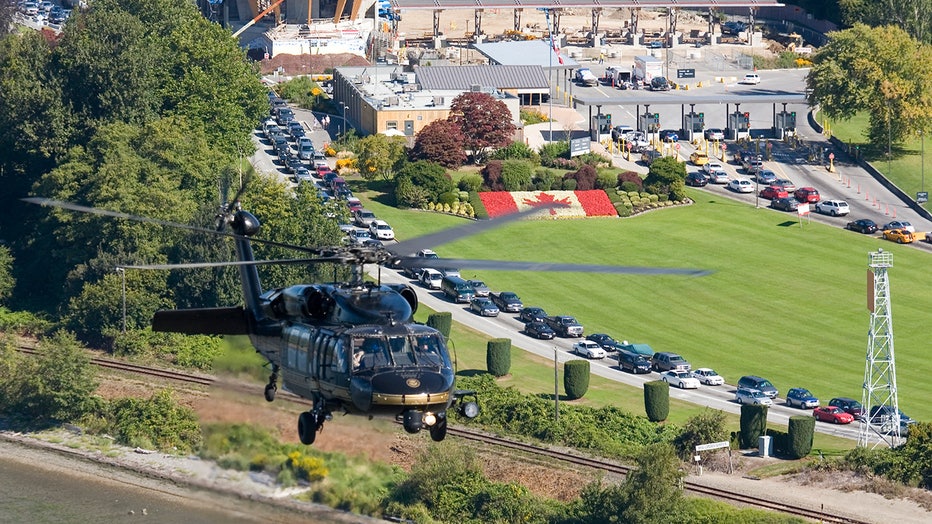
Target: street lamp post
122, 272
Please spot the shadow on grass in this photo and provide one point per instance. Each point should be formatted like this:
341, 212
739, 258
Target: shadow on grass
788, 223
471, 372
549, 397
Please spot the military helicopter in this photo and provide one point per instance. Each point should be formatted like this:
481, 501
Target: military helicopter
350, 346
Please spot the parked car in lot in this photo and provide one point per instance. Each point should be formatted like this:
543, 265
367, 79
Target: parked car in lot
608, 343
565, 326
835, 208
832, 414
696, 180
807, 194
899, 224
786, 184
381, 230
785, 204
758, 383
754, 397
772, 192
588, 349
539, 330
666, 361
480, 288
430, 278
900, 236
708, 377
507, 301
862, 225
632, 362
740, 185
483, 306
714, 133
680, 379
532, 314
848, 405
801, 398
698, 158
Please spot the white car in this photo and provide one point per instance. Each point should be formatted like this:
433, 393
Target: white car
680, 379
740, 185
381, 230
588, 349
836, 208
708, 377
754, 397
715, 172
431, 278
899, 224
714, 133
751, 78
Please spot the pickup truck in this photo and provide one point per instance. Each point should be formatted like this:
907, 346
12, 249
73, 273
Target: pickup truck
565, 326
507, 301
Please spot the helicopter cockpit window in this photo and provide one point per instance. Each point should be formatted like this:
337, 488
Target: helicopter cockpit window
402, 354
369, 353
430, 352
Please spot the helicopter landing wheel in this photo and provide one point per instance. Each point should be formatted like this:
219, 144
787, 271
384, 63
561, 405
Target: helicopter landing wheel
270, 391
439, 430
307, 427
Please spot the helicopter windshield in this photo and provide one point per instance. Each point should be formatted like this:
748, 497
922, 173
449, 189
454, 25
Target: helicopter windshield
430, 351
369, 353
398, 350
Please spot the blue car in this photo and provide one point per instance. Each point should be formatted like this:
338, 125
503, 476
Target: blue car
801, 398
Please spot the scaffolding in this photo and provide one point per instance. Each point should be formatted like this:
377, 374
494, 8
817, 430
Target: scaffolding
880, 415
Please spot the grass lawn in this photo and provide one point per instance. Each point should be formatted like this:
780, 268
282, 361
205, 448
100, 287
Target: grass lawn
784, 301
905, 165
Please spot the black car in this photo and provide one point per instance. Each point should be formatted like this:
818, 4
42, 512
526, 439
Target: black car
649, 155
292, 163
632, 362
864, 225
532, 314
784, 204
696, 180
848, 405
507, 301
539, 330
608, 343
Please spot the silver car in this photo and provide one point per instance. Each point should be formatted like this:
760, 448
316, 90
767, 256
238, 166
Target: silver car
753, 397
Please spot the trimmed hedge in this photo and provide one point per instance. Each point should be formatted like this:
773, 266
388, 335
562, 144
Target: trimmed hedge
442, 322
753, 425
576, 378
800, 431
498, 356
657, 400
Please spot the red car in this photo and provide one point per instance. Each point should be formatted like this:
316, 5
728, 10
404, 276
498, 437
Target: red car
772, 192
807, 194
833, 414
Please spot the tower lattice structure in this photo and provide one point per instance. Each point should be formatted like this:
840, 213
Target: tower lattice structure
880, 419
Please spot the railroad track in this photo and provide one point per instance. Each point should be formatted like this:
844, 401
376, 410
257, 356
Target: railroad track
599, 464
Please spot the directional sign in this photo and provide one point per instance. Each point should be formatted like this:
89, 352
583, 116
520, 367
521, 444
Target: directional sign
714, 445
922, 197
579, 146
802, 209
686, 73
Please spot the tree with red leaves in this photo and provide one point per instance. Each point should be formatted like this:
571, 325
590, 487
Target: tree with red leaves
485, 122
440, 141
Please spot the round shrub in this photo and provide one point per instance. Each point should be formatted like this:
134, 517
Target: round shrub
498, 356
800, 430
576, 378
448, 198
470, 183
629, 186
606, 181
657, 400
442, 322
569, 184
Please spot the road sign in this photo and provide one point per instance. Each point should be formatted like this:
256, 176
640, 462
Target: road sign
579, 146
831, 156
686, 73
629, 146
922, 197
714, 445
802, 209
723, 146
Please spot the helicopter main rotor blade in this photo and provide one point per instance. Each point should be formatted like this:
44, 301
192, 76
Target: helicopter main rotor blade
199, 265
475, 227
503, 265
136, 218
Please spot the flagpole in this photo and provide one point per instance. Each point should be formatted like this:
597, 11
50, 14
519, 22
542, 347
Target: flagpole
550, 78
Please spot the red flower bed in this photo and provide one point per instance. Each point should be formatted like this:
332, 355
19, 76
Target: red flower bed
596, 203
498, 203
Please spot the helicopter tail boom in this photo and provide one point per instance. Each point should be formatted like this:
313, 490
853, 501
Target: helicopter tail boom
202, 321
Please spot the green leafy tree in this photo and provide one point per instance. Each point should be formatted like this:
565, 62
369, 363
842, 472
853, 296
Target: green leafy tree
667, 176
424, 179
486, 123
58, 385
380, 156
7, 281
440, 141
703, 428
914, 16
516, 175
881, 71
653, 492
159, 422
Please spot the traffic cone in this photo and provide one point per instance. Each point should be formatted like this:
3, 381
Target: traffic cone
887, 212
859, 189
